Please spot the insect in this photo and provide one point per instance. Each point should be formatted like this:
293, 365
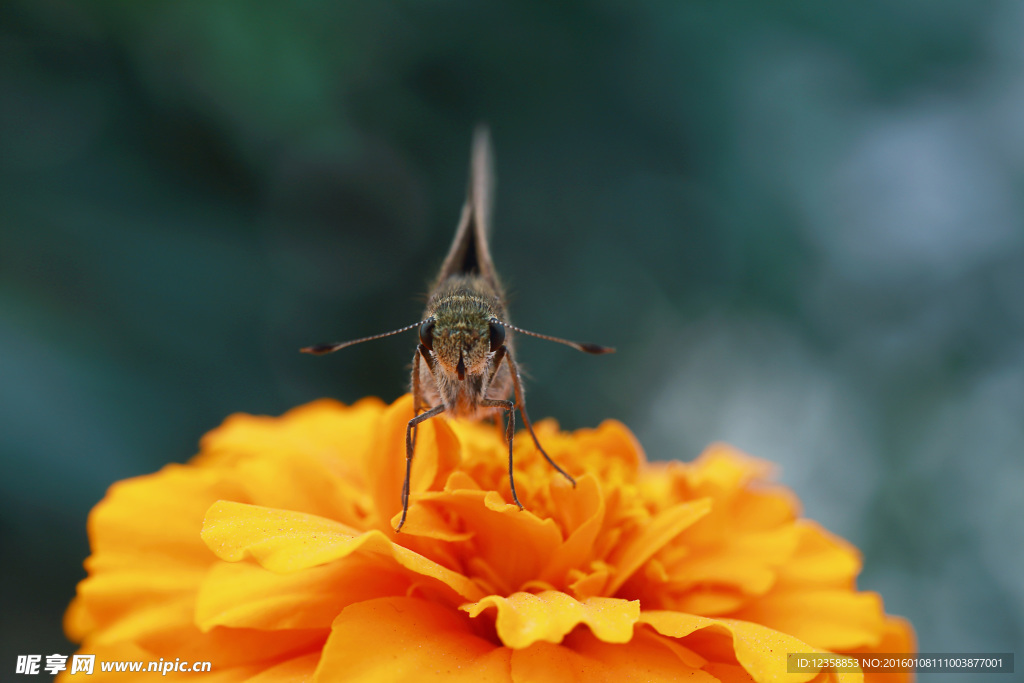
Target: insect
463, 364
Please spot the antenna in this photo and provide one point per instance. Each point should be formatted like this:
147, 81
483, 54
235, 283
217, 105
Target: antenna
321, 349
585, 347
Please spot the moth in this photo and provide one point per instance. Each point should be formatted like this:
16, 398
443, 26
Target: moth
464, 363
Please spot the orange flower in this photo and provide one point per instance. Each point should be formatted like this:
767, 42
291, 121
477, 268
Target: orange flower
272, 556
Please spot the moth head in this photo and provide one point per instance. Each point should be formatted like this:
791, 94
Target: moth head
462, 344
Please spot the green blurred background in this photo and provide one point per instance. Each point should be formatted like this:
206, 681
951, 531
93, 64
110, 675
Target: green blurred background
799, 222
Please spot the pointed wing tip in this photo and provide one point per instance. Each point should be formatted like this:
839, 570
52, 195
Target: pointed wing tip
482, 163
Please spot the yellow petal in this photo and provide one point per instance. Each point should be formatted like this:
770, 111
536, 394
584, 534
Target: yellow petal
830, 619
118, 588
724, 468
280, 540
898, 636
167, 630
406, 639
342, 435
430, 521
130, 652
178, 496
436, 454
245, 595
708, 601
592, 583
525, 618
584, 658
615, 449
761, 651
632, 552
764, 507
297, 670
313, 458
284, 541
584, 514
515, 543
821, 559
747, 562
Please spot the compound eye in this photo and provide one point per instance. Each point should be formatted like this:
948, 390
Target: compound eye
427, 334
497, 335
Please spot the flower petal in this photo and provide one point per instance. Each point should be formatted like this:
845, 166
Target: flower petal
761, 651
117, 589
436, 455
747, 563
404, 639
280, 540
284, 541
585, 520
821, 559
245, 595
177, 495
583, 657
167, 630
297, 670
649, 538
312, 565
525, 618
830, 619
313, 458
514, 542
898, 636
131, 652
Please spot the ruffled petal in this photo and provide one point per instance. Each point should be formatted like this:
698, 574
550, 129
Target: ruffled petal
820, 559
245, 595
405, 639
297, 670
525, 618
759, 650
272, 555
499, 532
583, 657
830, 619
640, 546
284, 541
585, 517
118, 590
748, 564
131, 652
178, 495
167, 630
897, 637
436, 455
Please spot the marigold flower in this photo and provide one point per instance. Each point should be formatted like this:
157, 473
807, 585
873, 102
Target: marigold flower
272, 555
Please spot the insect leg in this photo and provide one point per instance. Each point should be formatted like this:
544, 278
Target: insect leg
417, 393
510, 430
518, 387
409, 430
498, 356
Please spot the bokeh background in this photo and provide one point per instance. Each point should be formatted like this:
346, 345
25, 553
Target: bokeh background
801, 223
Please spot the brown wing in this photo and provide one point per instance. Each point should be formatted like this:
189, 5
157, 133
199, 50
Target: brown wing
470, 253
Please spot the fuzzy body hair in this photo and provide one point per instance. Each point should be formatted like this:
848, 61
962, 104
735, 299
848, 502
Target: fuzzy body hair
462, 308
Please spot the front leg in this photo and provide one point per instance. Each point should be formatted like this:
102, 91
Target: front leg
417, 390
521, 401
409, 448
510, 429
